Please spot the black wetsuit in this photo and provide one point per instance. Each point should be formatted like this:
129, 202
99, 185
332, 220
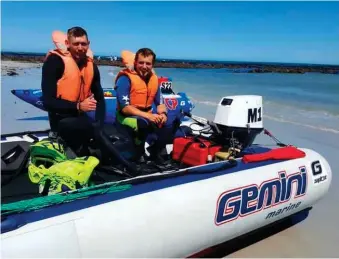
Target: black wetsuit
75, 127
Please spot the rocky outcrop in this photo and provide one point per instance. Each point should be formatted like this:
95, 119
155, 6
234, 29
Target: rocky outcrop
12, 72
235, 68
8, 71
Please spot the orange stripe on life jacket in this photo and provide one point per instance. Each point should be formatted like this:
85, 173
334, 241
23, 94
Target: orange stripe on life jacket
141, 95
75, 84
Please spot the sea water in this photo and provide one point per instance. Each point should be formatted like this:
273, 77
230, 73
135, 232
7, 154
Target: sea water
310, 100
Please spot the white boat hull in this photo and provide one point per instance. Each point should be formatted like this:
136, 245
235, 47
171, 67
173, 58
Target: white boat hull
174, 217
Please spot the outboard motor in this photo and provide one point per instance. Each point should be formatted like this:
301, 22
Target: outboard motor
238, 120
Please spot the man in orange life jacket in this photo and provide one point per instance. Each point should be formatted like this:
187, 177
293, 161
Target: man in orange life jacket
136, 91
70, 87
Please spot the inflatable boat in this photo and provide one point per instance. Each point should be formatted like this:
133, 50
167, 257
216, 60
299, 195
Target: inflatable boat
216, 184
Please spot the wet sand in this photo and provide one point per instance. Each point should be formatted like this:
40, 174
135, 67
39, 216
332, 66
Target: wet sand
316, 236
18, 67
13, 110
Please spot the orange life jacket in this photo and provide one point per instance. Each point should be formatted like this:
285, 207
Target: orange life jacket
75, 84
141, 95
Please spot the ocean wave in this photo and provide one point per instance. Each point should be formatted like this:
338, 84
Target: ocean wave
302, 124
280, 118
209, 103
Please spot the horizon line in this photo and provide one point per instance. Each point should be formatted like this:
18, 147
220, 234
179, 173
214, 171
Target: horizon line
190, 59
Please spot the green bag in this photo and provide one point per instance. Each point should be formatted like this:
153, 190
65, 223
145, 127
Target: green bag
49, 164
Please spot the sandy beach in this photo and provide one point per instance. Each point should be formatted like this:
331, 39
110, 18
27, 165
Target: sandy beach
18, 67
316, 236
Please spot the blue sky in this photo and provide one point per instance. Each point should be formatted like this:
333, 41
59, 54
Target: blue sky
301, 32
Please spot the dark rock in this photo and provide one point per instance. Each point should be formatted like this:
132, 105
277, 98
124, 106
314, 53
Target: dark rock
236, 68
12, 73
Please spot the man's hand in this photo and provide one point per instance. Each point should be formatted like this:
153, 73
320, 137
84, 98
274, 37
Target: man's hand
155, 118
89, 104
163, 118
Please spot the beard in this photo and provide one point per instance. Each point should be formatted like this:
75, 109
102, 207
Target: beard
145, 75
80, 58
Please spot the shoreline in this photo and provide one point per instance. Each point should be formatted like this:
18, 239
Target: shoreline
234, 68
16, 68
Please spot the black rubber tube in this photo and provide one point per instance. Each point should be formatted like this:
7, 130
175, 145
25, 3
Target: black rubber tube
105, 144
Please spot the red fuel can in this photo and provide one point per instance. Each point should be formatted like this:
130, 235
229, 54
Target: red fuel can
192, 151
